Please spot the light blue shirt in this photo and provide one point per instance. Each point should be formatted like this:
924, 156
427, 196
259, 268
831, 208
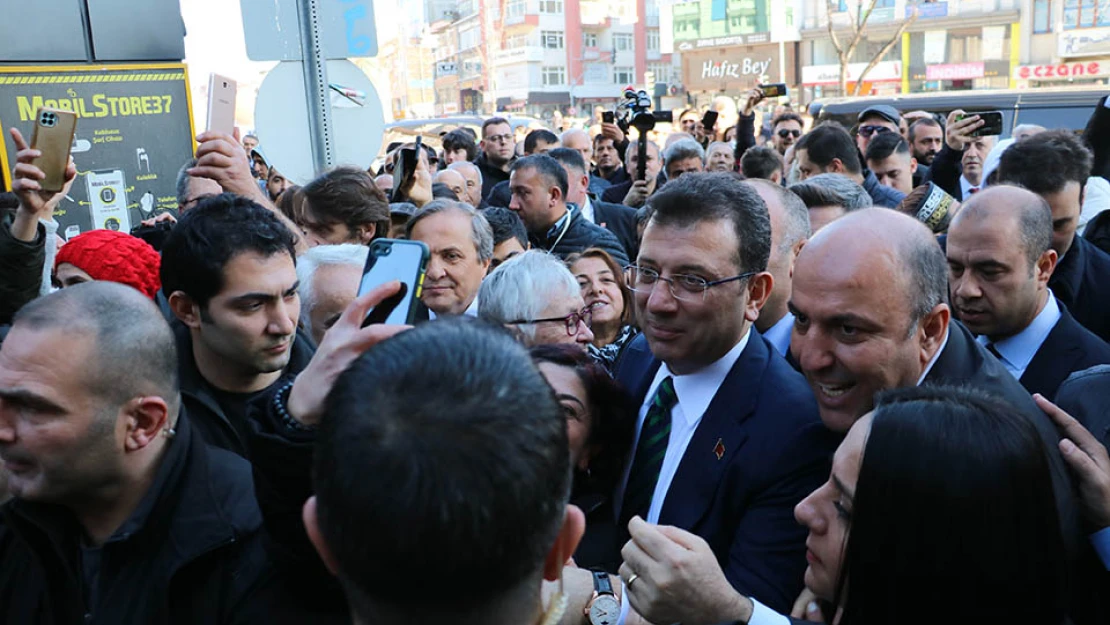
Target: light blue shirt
1018, 350
779, 334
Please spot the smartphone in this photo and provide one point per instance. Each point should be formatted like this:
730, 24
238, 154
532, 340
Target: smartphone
395, 259
53, 136
405, 169
992, 123
709, 120
221, 104
607, 117
774, 90
108, 200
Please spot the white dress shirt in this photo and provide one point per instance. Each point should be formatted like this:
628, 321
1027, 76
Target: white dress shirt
588, 211
471, 310
1018, 350
966, 187
779, 334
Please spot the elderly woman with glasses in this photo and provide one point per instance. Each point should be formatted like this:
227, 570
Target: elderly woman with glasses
610, 300
537, 298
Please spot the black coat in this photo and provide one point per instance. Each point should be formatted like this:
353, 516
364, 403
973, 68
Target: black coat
212, 423
581, 234
621, 221
1097, 136
1068, 348
20, 269
499, 195
193, 552
617, 177
1082, 283
490, 175
946, 171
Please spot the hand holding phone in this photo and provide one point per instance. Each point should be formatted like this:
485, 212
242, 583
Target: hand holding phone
404, 170
395, 260
221, 104
773, 90
53, 137
709, 120
607, 117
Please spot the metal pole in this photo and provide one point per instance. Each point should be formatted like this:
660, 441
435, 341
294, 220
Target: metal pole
316, 86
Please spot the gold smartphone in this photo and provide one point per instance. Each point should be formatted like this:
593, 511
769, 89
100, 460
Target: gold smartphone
53, 136
221, 104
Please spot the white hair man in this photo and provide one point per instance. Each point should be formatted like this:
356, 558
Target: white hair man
329, 277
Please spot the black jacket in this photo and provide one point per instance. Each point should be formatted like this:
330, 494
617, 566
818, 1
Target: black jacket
1082, 283
881, 195
921, 175
579, 235
193, 552
490, 175
20, 269
619, 176
1068, 348
745, 138
946, 171
212, 423
1097, 136
620, 220
500, 195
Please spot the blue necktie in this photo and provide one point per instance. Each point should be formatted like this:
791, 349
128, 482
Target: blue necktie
650, 451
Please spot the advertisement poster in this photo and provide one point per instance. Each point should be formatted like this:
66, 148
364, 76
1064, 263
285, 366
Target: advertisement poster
134, 132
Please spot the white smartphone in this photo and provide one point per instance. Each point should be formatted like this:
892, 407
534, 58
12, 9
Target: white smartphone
221, 104
108, 200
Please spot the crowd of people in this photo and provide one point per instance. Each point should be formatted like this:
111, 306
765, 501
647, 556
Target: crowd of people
793, 372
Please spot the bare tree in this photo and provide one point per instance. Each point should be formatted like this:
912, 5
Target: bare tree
845, 52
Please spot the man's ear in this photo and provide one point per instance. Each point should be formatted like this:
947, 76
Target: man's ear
913, 165
836, 166
185, 309
146, 418
312, 528
366, 233
1046, 265
570, 534
759, 289
794, 251
932, 331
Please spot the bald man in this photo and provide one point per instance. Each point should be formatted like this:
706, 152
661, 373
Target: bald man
579, 140
454, 181
1000, 260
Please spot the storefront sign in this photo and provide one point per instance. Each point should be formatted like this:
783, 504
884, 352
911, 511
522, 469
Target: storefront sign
714, 70
926, 9
1084, 42
724, 42
886, 71
728, 69
959, 71
1063, 71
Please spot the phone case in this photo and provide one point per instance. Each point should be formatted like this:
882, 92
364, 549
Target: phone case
395, 259
53, 136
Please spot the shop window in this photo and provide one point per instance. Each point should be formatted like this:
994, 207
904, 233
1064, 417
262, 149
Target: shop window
1042, 16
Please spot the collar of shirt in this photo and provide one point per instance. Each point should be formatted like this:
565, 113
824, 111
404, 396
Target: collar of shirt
553, 231
471, 310
779, 334
936, 357
588, 211
966, 187
1018, 350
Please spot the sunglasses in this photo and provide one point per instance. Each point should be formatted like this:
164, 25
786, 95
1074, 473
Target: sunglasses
867, 131
784, 133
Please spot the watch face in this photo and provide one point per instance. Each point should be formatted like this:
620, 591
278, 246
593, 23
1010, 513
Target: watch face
606, 610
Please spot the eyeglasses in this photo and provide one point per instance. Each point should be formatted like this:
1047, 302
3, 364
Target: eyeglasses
683, 287
784, 133
867, 131
500, 138
586, 316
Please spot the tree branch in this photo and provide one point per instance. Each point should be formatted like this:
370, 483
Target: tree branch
886, 48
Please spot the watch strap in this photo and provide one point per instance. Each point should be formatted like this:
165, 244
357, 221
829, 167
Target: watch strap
602, 586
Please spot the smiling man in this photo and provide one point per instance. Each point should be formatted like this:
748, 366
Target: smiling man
461, 244
229, 271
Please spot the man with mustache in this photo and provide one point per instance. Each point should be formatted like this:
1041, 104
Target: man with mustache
461, 244
229, 272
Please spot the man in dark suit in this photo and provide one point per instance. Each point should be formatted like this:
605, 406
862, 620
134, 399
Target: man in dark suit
1000, 263
1055, 165
616, 218
728, 438
634, 192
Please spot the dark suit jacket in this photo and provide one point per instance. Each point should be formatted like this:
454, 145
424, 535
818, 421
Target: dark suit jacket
776, 452
620, 220
499, 195
1082, 283
946, 171
1069, 348
1097, 136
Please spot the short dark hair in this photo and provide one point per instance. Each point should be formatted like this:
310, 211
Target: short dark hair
761, 162
549, 168
348, 196
887, 143
954, 462
923, 122
459, 139
788, 116
570, 158
208, 236
1046, 162
493, 121
506, 225
828, 141
440, 191
695, 198
831, 190
537, 135
475, 476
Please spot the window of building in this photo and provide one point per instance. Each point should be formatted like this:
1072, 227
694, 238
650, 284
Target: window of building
551, 6
1085, 14
515, 41
589, 40
554, 76
551, 39
662, 71
717, 10
622, 42
1042, 16
623, 76
515, 8
470, 38
653, 40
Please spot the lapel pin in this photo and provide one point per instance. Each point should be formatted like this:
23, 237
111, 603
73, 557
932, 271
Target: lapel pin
719, 449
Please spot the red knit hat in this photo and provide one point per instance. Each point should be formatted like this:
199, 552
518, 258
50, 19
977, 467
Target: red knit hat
114, 257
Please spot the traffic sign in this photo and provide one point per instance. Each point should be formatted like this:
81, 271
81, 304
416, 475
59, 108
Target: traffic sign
273, 32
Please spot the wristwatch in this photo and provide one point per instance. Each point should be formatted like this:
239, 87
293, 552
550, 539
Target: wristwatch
604, 608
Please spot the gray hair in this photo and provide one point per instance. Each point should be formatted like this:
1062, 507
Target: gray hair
323, 256
832, 190
467, 165
795, 215
683, 149
182, 184
480, 231
926, 267
521, 287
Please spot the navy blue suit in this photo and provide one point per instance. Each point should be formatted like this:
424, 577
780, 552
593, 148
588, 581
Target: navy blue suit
1068, 348
776, 451
1082, 283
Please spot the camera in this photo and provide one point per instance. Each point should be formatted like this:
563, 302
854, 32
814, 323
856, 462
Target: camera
635, 111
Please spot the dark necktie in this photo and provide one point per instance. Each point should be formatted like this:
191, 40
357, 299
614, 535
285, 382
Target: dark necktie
973, 190
650, 450
994, 351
